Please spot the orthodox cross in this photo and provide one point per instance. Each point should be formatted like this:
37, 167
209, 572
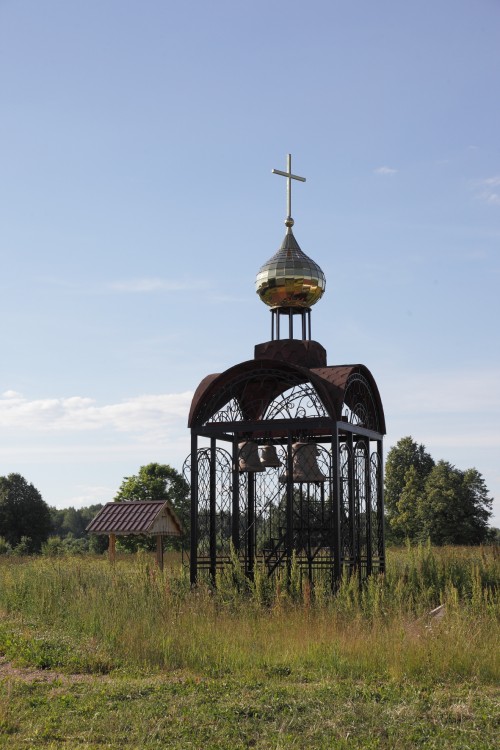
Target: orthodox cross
288, 174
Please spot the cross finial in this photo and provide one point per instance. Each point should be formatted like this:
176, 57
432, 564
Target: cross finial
288, 174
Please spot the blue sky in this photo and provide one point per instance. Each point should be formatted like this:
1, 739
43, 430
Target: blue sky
137, 205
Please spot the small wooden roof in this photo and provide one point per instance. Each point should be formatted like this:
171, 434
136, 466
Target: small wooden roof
137, 517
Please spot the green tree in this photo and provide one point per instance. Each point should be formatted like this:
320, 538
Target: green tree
406, 522
406, 454
455, 507
68, 526
159, 482
23, 512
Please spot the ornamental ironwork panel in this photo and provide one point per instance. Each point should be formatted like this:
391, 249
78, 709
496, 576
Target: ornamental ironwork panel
270, 506
268, 394
330, 521
359, 407
346, 505
361, 504
230, 412
377, 513
298, 402
214, 498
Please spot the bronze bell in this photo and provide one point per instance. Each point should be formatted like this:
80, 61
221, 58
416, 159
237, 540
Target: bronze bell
269, 457
249, 457
305, 465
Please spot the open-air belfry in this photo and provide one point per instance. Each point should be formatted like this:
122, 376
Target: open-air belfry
286, 451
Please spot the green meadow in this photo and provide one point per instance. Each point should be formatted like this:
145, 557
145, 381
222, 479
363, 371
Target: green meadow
94, 655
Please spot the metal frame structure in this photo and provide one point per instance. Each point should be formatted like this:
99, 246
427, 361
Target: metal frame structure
320, 499
334, 525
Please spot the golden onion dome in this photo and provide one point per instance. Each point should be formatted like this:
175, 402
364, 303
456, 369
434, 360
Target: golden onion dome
290, 278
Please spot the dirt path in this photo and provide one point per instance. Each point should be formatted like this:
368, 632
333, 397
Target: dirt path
29, 674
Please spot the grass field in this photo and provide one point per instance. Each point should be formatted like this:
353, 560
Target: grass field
101, 656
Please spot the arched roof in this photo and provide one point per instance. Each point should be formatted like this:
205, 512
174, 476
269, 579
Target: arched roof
257, 382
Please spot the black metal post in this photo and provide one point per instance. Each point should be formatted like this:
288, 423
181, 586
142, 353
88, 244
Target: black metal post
354, 562
289, 506
193, 559
213, 510
235, 516
250, 523
357, 516
368, 510
380, 506
336, 498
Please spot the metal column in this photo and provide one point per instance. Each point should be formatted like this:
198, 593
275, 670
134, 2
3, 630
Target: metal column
336, 497
213, 510
193, 560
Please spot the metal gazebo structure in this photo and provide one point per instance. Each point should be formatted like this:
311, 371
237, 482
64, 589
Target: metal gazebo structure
286, 452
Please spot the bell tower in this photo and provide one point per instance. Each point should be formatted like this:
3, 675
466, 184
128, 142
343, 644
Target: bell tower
286, 451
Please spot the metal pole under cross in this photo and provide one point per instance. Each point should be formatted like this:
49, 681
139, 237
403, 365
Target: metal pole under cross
288, 174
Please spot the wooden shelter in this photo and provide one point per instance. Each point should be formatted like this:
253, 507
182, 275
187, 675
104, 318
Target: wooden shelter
141, 517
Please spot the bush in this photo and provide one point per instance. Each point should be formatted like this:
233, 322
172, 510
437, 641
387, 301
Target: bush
5, 547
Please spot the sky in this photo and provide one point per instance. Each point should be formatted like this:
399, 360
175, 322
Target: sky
137, 205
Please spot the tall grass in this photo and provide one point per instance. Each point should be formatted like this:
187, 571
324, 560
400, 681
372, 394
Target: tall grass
132, 614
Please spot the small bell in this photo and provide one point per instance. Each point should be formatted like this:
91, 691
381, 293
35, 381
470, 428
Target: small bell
269, 457
249, 457
305, 465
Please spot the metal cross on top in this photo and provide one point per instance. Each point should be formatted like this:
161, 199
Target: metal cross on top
288, 174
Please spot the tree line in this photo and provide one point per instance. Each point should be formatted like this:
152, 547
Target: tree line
424, 499
29, 525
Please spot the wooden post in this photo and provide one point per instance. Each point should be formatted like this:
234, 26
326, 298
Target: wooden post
159, 551
112, 548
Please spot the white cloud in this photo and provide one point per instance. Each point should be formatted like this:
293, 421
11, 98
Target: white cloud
492, 198
140, 414
487, 190
385, 171
86, 495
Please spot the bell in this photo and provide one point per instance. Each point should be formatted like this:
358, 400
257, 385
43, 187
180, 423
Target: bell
305, 465
249, 457
269, 457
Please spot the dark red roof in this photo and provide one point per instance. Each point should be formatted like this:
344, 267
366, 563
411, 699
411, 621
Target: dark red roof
254, 392
132, 517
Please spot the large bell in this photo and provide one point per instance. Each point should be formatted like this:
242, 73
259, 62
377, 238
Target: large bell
305, 465
249, 459
269, 457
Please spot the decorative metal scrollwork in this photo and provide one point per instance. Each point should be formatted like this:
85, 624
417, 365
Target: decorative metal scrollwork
359, 407
377, 516
298, 402
231, 412
247, 397
346, 516
361, 497
221, 500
